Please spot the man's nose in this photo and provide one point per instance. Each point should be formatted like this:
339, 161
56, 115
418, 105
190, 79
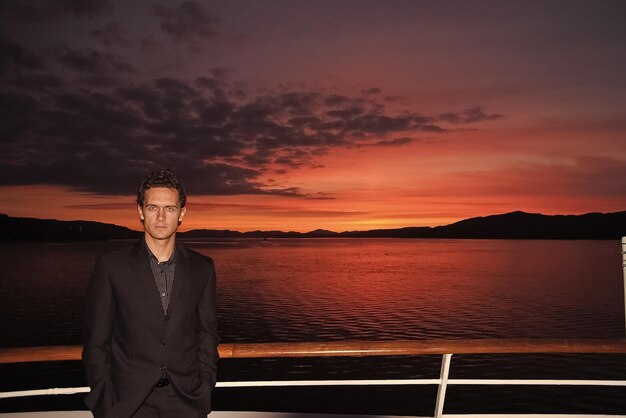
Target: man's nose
161, 215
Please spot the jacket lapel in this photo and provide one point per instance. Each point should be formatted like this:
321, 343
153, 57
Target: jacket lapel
144, 278
181, 274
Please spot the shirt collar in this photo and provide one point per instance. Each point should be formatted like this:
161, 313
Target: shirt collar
155, 260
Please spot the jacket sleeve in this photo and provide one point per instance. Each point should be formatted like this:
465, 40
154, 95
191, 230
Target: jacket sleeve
208, 338
98, 320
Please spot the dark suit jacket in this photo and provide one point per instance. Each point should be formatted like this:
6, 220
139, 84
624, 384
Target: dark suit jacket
129, 343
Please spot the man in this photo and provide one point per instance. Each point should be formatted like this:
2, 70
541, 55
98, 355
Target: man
150, 335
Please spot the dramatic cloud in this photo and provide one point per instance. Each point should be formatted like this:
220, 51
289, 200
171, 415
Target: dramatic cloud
221, 142
190, 21
305, 100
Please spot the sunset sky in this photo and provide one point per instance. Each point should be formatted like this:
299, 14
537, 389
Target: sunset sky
298, 115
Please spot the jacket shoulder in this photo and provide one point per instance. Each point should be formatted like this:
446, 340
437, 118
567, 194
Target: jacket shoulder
122, 253
197, 257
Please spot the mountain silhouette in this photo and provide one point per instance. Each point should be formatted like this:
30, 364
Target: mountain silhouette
514, 225
31, 229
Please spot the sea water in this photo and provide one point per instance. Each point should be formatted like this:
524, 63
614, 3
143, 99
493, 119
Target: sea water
374, 289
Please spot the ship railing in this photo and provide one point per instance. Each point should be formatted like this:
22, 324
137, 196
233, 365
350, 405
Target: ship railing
445, 348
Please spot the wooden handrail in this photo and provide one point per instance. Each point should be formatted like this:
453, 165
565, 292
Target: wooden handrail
355, 348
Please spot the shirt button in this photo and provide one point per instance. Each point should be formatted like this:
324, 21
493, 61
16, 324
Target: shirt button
163, 341
163, 294
162, 368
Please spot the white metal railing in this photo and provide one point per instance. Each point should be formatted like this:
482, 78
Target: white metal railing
624, 274
442, 384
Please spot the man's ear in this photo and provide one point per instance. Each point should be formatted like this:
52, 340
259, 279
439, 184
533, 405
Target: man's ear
182, 215
140, 210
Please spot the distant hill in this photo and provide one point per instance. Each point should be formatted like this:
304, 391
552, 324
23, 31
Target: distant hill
514, 225
31, 229
521, 225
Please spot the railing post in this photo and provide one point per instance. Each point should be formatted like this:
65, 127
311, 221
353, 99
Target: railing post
443, 384
624, 272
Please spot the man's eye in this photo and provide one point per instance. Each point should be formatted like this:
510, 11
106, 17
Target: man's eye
151, 208
170, 209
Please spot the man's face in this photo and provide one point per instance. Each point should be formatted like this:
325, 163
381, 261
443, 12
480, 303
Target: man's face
161, 212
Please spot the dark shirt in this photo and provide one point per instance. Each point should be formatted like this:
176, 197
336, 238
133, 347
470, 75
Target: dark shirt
163, 273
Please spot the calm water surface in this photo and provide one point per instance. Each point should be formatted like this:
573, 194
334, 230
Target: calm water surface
336, 289
333, 289
386, 289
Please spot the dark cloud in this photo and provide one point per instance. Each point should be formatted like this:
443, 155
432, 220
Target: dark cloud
346, 113
301, 122
294, 158
475, 114
190, 21
337, 100
260, 157
472, 115
174, 88
219, 142
394, 142
431, 128
289, 192
381, 124
299, 103
13, 55
112, 34
216, 178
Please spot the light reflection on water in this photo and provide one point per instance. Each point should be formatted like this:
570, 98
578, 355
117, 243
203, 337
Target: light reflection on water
333, 289
391, 289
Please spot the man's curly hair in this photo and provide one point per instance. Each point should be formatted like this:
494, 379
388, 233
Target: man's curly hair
161, 178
